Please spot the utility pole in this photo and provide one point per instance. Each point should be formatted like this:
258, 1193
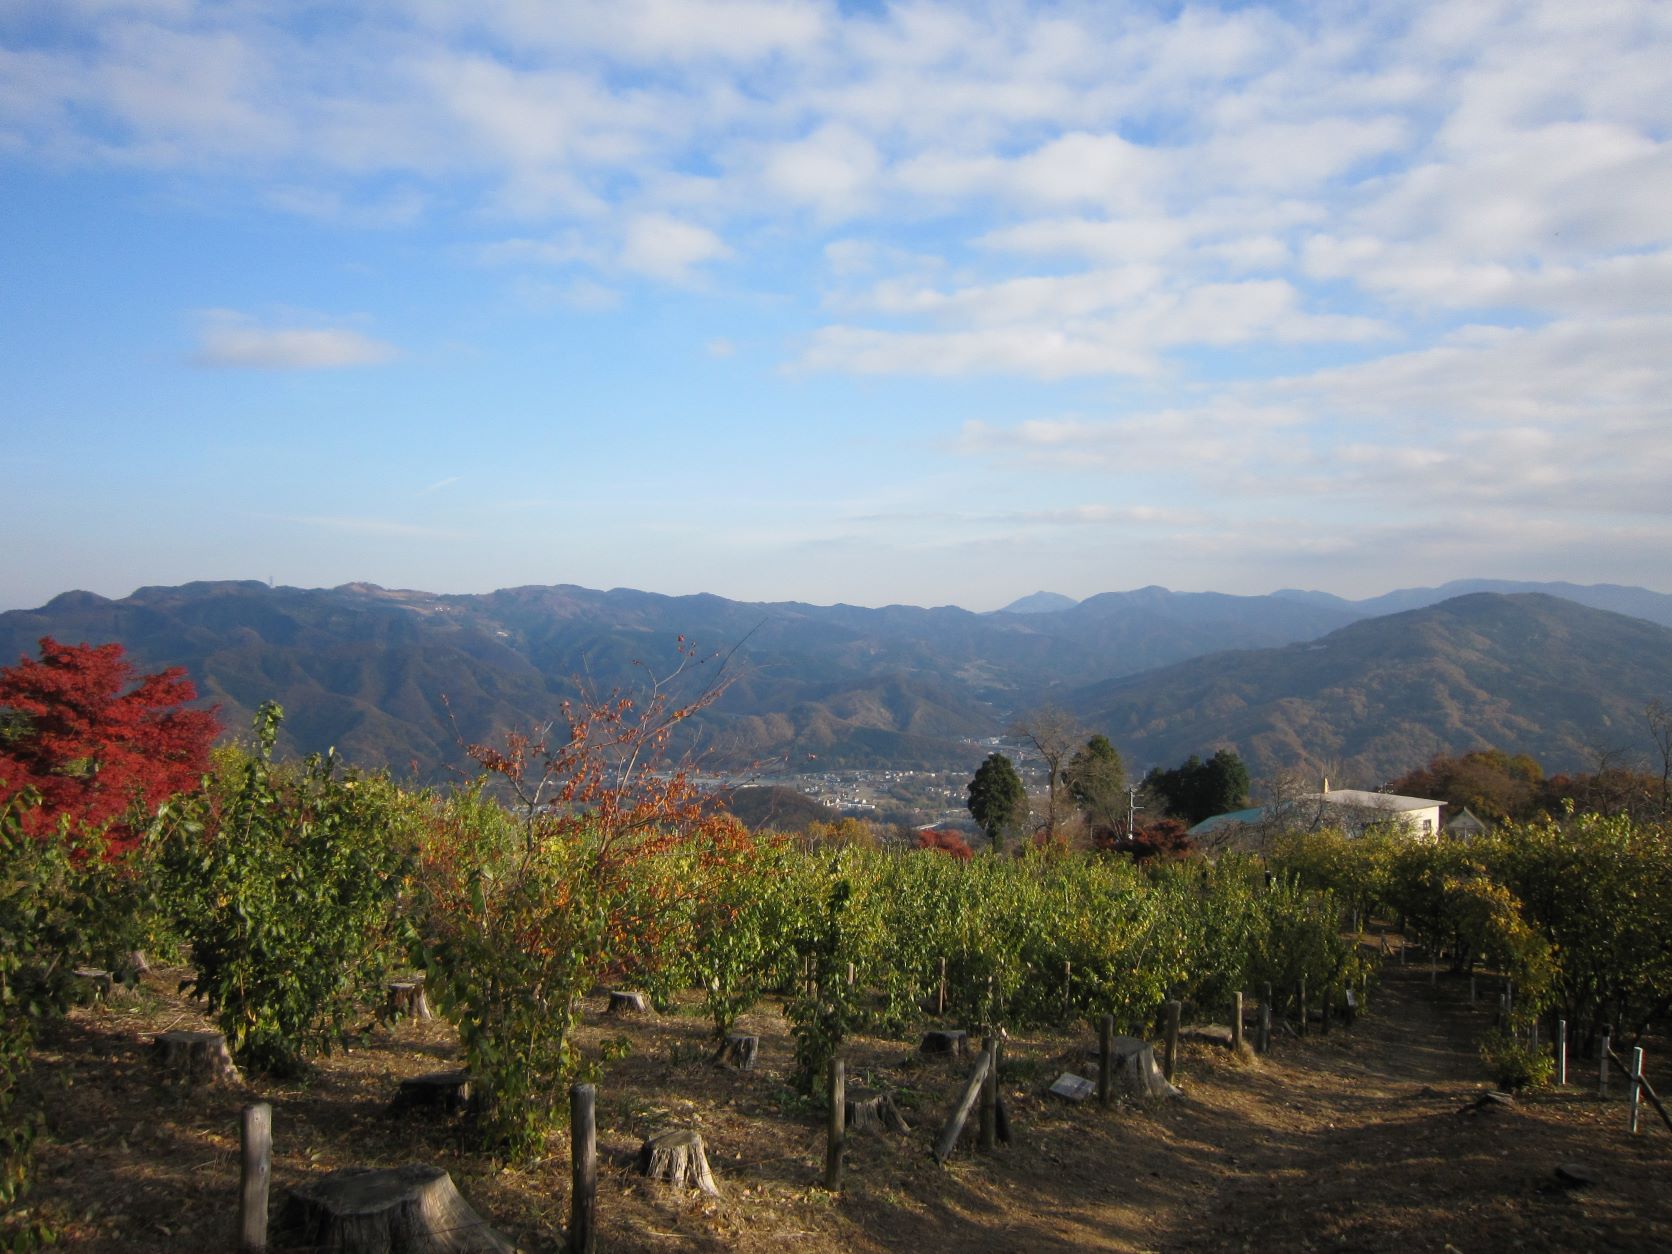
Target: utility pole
1132, 808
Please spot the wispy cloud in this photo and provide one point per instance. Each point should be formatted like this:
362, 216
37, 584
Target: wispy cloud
227, 339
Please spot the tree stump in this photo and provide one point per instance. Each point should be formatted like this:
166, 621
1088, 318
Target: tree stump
740, 1050
195, 1057
868, 1111
98, 984
446, 1091
628, 1003
411, 1208
678, 1158
951, 1042
1219, 1034
1136, 1073
406, 1000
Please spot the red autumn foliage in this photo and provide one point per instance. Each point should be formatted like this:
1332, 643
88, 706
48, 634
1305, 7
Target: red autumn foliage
1167, 839
945, 842
596, 773
96, 741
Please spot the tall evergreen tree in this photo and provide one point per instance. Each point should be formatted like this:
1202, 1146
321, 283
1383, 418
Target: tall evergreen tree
997, 798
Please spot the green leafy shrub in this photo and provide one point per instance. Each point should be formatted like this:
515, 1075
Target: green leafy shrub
52, 908
1514, 1064
593, 876
288, 884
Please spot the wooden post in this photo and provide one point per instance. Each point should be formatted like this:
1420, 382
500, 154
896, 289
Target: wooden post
1174, 1010
255, 1174
835, 1145
1236, 1022
1301, 999
583, 1164
1602, 1077
1401, 951
1105, 1051
1503, 1012
1636, 1085
972, 1091
1067, 985
990, 1094
1561, 1051
1265, 1027
940, 995
851, 975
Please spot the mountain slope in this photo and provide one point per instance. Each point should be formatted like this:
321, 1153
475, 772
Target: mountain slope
1655, 607
398, 677
1530, 672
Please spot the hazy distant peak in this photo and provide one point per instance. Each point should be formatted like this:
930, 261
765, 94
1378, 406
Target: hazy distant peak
1040, 603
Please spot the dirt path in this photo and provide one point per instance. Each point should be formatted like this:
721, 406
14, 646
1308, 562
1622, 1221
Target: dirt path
1357, 1141
1350, 1141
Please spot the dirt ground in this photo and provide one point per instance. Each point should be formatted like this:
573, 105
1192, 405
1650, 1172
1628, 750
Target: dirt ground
1350, 1141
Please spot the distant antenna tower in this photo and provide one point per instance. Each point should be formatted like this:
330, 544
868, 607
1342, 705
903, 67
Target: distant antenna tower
269, 581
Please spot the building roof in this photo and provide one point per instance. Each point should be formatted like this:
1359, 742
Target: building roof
1226, 820
1370, 800
1357, 798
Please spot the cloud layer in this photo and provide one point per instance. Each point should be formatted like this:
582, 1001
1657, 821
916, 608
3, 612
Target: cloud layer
1362, 268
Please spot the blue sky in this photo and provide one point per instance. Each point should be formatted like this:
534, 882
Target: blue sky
929, 303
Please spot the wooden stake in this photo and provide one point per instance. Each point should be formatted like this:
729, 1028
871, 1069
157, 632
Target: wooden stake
940, 995
1174, 1010
1602, 1078
1301, 998
1636, 1085
1648, 1092
1265, 1027
990, 1096
583, 1164
1236, 1022
255, 1175
835, 1146
1561, 1051
1105, 1051
948, 1139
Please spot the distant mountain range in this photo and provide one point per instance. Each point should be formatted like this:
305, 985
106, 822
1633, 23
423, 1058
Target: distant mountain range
1637, 602
1529, 672
402, 677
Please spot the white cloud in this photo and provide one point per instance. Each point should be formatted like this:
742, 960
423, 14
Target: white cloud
236, 341
833, 171
660, 246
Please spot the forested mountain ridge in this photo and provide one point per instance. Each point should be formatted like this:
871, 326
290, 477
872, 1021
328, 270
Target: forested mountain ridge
398, 678
1529, 672
366, 668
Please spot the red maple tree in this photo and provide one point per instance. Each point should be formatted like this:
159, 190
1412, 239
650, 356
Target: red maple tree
92, 751
946, 842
